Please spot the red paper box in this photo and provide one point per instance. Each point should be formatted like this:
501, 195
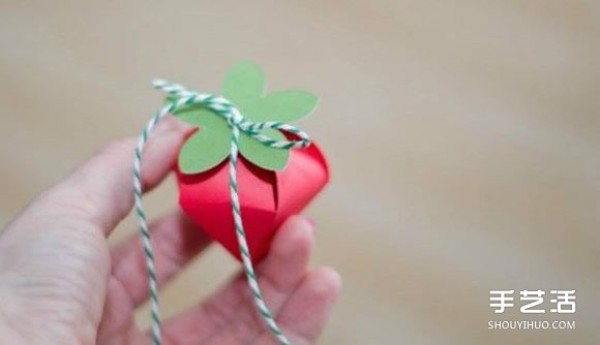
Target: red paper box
267, 198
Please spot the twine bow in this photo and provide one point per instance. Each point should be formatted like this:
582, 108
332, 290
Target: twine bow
233, 116
224, 108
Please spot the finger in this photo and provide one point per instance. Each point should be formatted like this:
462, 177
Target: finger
230, 314
102, 190
304, 316
176, 241
289, 256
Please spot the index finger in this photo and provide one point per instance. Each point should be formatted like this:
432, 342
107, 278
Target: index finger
101, 190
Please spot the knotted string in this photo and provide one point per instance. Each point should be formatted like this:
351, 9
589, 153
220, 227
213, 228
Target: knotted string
222, 107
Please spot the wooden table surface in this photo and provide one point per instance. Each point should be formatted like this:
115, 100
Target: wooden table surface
464, 139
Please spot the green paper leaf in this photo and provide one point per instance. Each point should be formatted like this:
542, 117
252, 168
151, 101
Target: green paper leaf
209, 146
244, 84
202, 151
284, 106
200, 116
265, 157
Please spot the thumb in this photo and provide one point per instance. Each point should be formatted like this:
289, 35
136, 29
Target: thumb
101, 190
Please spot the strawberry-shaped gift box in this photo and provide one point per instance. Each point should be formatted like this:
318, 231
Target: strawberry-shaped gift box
272, 182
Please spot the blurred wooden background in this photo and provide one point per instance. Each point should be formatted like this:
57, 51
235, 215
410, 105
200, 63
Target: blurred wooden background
464, 139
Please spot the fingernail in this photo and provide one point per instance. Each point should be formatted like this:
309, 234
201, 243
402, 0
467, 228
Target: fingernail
171, 125
164, 127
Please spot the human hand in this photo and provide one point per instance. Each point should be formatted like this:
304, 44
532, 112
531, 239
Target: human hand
60, 283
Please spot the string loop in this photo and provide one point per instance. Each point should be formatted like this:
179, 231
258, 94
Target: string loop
224, 108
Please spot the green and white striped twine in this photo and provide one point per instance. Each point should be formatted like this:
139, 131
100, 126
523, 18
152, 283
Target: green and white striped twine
222, 107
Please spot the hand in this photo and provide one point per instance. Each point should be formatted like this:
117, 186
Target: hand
60, 283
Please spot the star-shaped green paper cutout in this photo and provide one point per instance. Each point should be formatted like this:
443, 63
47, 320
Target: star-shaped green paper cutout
244, 87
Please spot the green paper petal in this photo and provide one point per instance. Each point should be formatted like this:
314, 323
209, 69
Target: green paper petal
265, 157
244, 84
203, 117
183, 112
284, 106
202, 151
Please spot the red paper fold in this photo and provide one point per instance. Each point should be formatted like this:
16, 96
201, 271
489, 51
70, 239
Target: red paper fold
267, 198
